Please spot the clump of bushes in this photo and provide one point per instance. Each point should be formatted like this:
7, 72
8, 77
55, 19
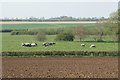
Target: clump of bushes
65, 36
41, 36
6, 30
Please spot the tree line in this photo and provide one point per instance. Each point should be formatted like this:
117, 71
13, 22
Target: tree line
107, 28
61, 18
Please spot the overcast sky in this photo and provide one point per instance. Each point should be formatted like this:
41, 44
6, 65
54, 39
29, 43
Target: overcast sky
55, 9
59, 0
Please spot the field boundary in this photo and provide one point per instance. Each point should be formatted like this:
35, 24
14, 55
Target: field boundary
63, 53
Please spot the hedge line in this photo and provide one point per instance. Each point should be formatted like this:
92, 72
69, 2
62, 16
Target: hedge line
23, 33
6, 30
63, 53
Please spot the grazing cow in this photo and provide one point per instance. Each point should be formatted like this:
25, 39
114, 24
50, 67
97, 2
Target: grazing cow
33, 44
23, 44
92, 46
53, 43
82, 45
50, 43
29, 44
45, 44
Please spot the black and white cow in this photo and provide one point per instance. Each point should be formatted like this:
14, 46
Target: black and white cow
54, 43
82, 45
92, 46
29, 44
45, 44
50, 43
33, 44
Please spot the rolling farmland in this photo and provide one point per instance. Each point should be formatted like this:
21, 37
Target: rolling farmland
36, 26
50, 66
60, 40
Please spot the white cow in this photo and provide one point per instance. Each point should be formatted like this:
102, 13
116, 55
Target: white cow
92, 46
82, 45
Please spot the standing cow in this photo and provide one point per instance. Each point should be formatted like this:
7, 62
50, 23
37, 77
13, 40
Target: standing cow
92, 46
82, 45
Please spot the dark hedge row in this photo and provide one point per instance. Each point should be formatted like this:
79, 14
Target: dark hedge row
62, 53
6, 30
23, 33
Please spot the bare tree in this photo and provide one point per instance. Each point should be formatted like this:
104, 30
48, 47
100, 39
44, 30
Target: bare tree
99, 31
80, 31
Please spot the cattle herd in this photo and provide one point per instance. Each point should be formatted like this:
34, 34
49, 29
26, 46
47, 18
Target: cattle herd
35, 44
83, 45
48, 44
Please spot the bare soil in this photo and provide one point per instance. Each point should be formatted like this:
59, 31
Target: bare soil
72, 22
52, 67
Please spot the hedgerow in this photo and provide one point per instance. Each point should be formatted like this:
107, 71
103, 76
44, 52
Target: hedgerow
63, 53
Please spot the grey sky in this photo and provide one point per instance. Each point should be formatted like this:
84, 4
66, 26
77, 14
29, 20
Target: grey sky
59, 0
55, 9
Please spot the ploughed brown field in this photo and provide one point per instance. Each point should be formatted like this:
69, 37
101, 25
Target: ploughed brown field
52, 67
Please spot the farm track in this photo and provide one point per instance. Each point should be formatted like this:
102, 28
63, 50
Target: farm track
70, 22
52, 67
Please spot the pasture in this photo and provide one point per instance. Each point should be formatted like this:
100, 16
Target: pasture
37, 26
13, 44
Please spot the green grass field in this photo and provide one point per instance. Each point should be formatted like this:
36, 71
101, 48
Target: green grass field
37, 26
13, 44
